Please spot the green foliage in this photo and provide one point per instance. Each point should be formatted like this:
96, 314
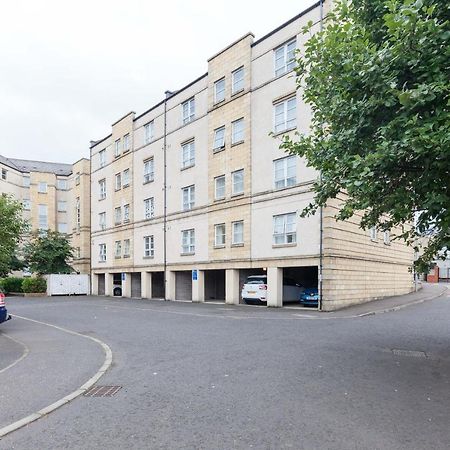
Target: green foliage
48, 252
11, 228
378, 81
35, 285
11, 284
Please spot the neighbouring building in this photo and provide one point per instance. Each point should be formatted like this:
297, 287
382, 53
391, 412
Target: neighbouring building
193, 195
55, 196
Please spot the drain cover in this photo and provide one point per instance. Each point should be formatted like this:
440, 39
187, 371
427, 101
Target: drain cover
102, 391
413, 353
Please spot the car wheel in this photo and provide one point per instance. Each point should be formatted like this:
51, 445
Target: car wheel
117, 292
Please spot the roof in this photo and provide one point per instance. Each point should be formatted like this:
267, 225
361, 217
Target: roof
26, 166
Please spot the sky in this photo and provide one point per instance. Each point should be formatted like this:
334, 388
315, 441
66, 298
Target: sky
68, 70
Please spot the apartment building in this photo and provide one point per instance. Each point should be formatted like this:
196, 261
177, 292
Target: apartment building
55, 196
194, 195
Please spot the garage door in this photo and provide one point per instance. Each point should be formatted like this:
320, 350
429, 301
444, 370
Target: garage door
101, 283
136, 285
183, 285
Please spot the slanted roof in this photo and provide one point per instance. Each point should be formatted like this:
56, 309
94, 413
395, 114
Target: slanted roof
25, 166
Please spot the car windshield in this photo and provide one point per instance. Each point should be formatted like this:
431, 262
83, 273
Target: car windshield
256, 280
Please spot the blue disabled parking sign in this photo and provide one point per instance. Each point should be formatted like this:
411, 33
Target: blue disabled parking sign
123, 276
195, 275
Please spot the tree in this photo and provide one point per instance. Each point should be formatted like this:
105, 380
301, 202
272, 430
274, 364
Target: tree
11, 228
48, 252
378, 81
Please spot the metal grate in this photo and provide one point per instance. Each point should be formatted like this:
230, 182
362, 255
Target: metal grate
102, 391
413, 353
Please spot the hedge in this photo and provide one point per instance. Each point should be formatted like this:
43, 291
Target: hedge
34, 285
11, 284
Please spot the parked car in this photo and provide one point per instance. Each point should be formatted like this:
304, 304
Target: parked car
117, 285
4, 316
254, 290
310, 297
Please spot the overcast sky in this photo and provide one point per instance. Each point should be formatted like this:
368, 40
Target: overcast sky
68, 70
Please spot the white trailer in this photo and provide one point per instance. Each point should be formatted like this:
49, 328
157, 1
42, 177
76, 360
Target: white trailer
73, 284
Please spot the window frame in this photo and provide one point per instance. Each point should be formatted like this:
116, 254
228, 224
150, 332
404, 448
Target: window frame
126, 248
151, 209
102, 188
285, 233
216, 179
40, 185
118, 181
217, 99
233, 232
117, 249
150, 162
117, 148
188, 245
190, 161
235, 135
118, 215
102, 158
126, 180
126, 213
188, 115
190, 203
233, 183
219, 235
217, 148
102, 252
126, 143
287, 64
235, 90
149, 132
285, 182
102, 220
150, 248
287, 123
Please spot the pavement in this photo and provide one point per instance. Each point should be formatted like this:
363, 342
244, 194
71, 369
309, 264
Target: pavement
207, 376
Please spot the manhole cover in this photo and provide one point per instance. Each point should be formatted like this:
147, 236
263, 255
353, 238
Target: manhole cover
102, 391
413, 353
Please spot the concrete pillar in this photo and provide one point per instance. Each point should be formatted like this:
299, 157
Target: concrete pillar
232, 288
198, 287
126, 285
108, 283
94, 284
170, 285
274, 287
146, 285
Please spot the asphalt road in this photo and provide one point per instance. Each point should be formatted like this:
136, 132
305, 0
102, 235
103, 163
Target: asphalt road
219, 377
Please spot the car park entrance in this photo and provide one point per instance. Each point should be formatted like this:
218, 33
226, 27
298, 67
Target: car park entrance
214, 285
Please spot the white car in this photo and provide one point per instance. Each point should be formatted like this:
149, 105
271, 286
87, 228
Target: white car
254, 290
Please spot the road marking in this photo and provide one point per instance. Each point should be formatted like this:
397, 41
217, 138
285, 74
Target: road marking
68, 398
25, 353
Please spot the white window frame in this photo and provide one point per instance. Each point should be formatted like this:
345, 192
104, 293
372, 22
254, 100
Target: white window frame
387, 237
102, 188
237, 131
149, 170
216, 187
102, 252
285, 172
126, 143
118, 215
285, 115
43, 216
219, 138
78, 212
62, 206
27, 182
188, 110
126, 178
149, 208
234, 239
149, 129
188, 197
188, 154
62, 227
102, 220
219, 235
126, 248
117, 249
373, 234
126, 213
188, 241
61, 184
118, 181
149, 246
102, 158
235, 184
284, 57
42, 187
237, 84
117, 148
285, 229
219, 90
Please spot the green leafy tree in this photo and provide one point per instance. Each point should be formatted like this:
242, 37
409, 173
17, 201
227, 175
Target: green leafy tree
12, 226
49, 252
377, 78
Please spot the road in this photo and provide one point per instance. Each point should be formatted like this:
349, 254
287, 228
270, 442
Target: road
222, 377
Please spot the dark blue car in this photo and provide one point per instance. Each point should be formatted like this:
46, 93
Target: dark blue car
310, 297
4, 316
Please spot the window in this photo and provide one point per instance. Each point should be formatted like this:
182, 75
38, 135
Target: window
102, 158
42, 187
126, 248
77, 179
118, 181
149, 247
188, 111
126, 143
373, 234
77, 252
149, 168
219, 138
237, 131
188, 197
118, 249
4, 174
188, 155
102, 187
78, 212
102, 220
148, 131
26, 181
26, 204
219, 187
62, 206
237, 80
237, 182
117, 215
284, 170
149, 208
188, 241
284, 57
62, 227
102, 252
126, 213
117, 148
126, 178
61, 184
219, 91
284, 229
238, 232
43, 217
285, 115
387, 237
219, 235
